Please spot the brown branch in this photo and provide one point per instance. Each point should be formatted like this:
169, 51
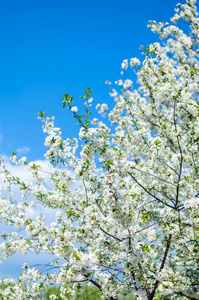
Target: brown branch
146, 284
99, 287
112, 246
172, 169
149, 192
181, 156
129, 237
179, 177
166, 252
79, 210
120, 270
96, 284
144, 139
110, 235
154, 176
188, 296
161, 267
148, 226
100, 208
149, 121
145, 204
132, 271
163, 194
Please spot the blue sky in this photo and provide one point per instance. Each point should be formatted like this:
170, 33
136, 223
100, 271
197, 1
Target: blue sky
50, 47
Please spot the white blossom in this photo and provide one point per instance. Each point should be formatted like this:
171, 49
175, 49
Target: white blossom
124, 64
74, 109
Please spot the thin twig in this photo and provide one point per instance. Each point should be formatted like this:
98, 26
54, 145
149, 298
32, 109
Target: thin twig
161, 267
110, 235
149, 192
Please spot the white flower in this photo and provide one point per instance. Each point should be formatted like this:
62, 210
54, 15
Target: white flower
23, 160
97, 106
90, 100
134, 62
192, 203
120, 82
74, 109
14, 159
124, 64
127, 83
113, 93
175, 18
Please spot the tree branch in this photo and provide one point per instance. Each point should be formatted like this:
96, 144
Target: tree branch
149, 192
161, 267
110, 235
188, 296
146, 284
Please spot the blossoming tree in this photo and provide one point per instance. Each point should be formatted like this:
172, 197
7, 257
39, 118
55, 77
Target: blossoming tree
127, 218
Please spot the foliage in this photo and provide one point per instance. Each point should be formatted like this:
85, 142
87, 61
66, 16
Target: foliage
89, 293
127, 206
53, 291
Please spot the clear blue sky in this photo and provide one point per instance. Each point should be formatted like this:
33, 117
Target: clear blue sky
50, 47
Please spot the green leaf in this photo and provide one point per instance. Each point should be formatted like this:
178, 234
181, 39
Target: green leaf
41, 114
